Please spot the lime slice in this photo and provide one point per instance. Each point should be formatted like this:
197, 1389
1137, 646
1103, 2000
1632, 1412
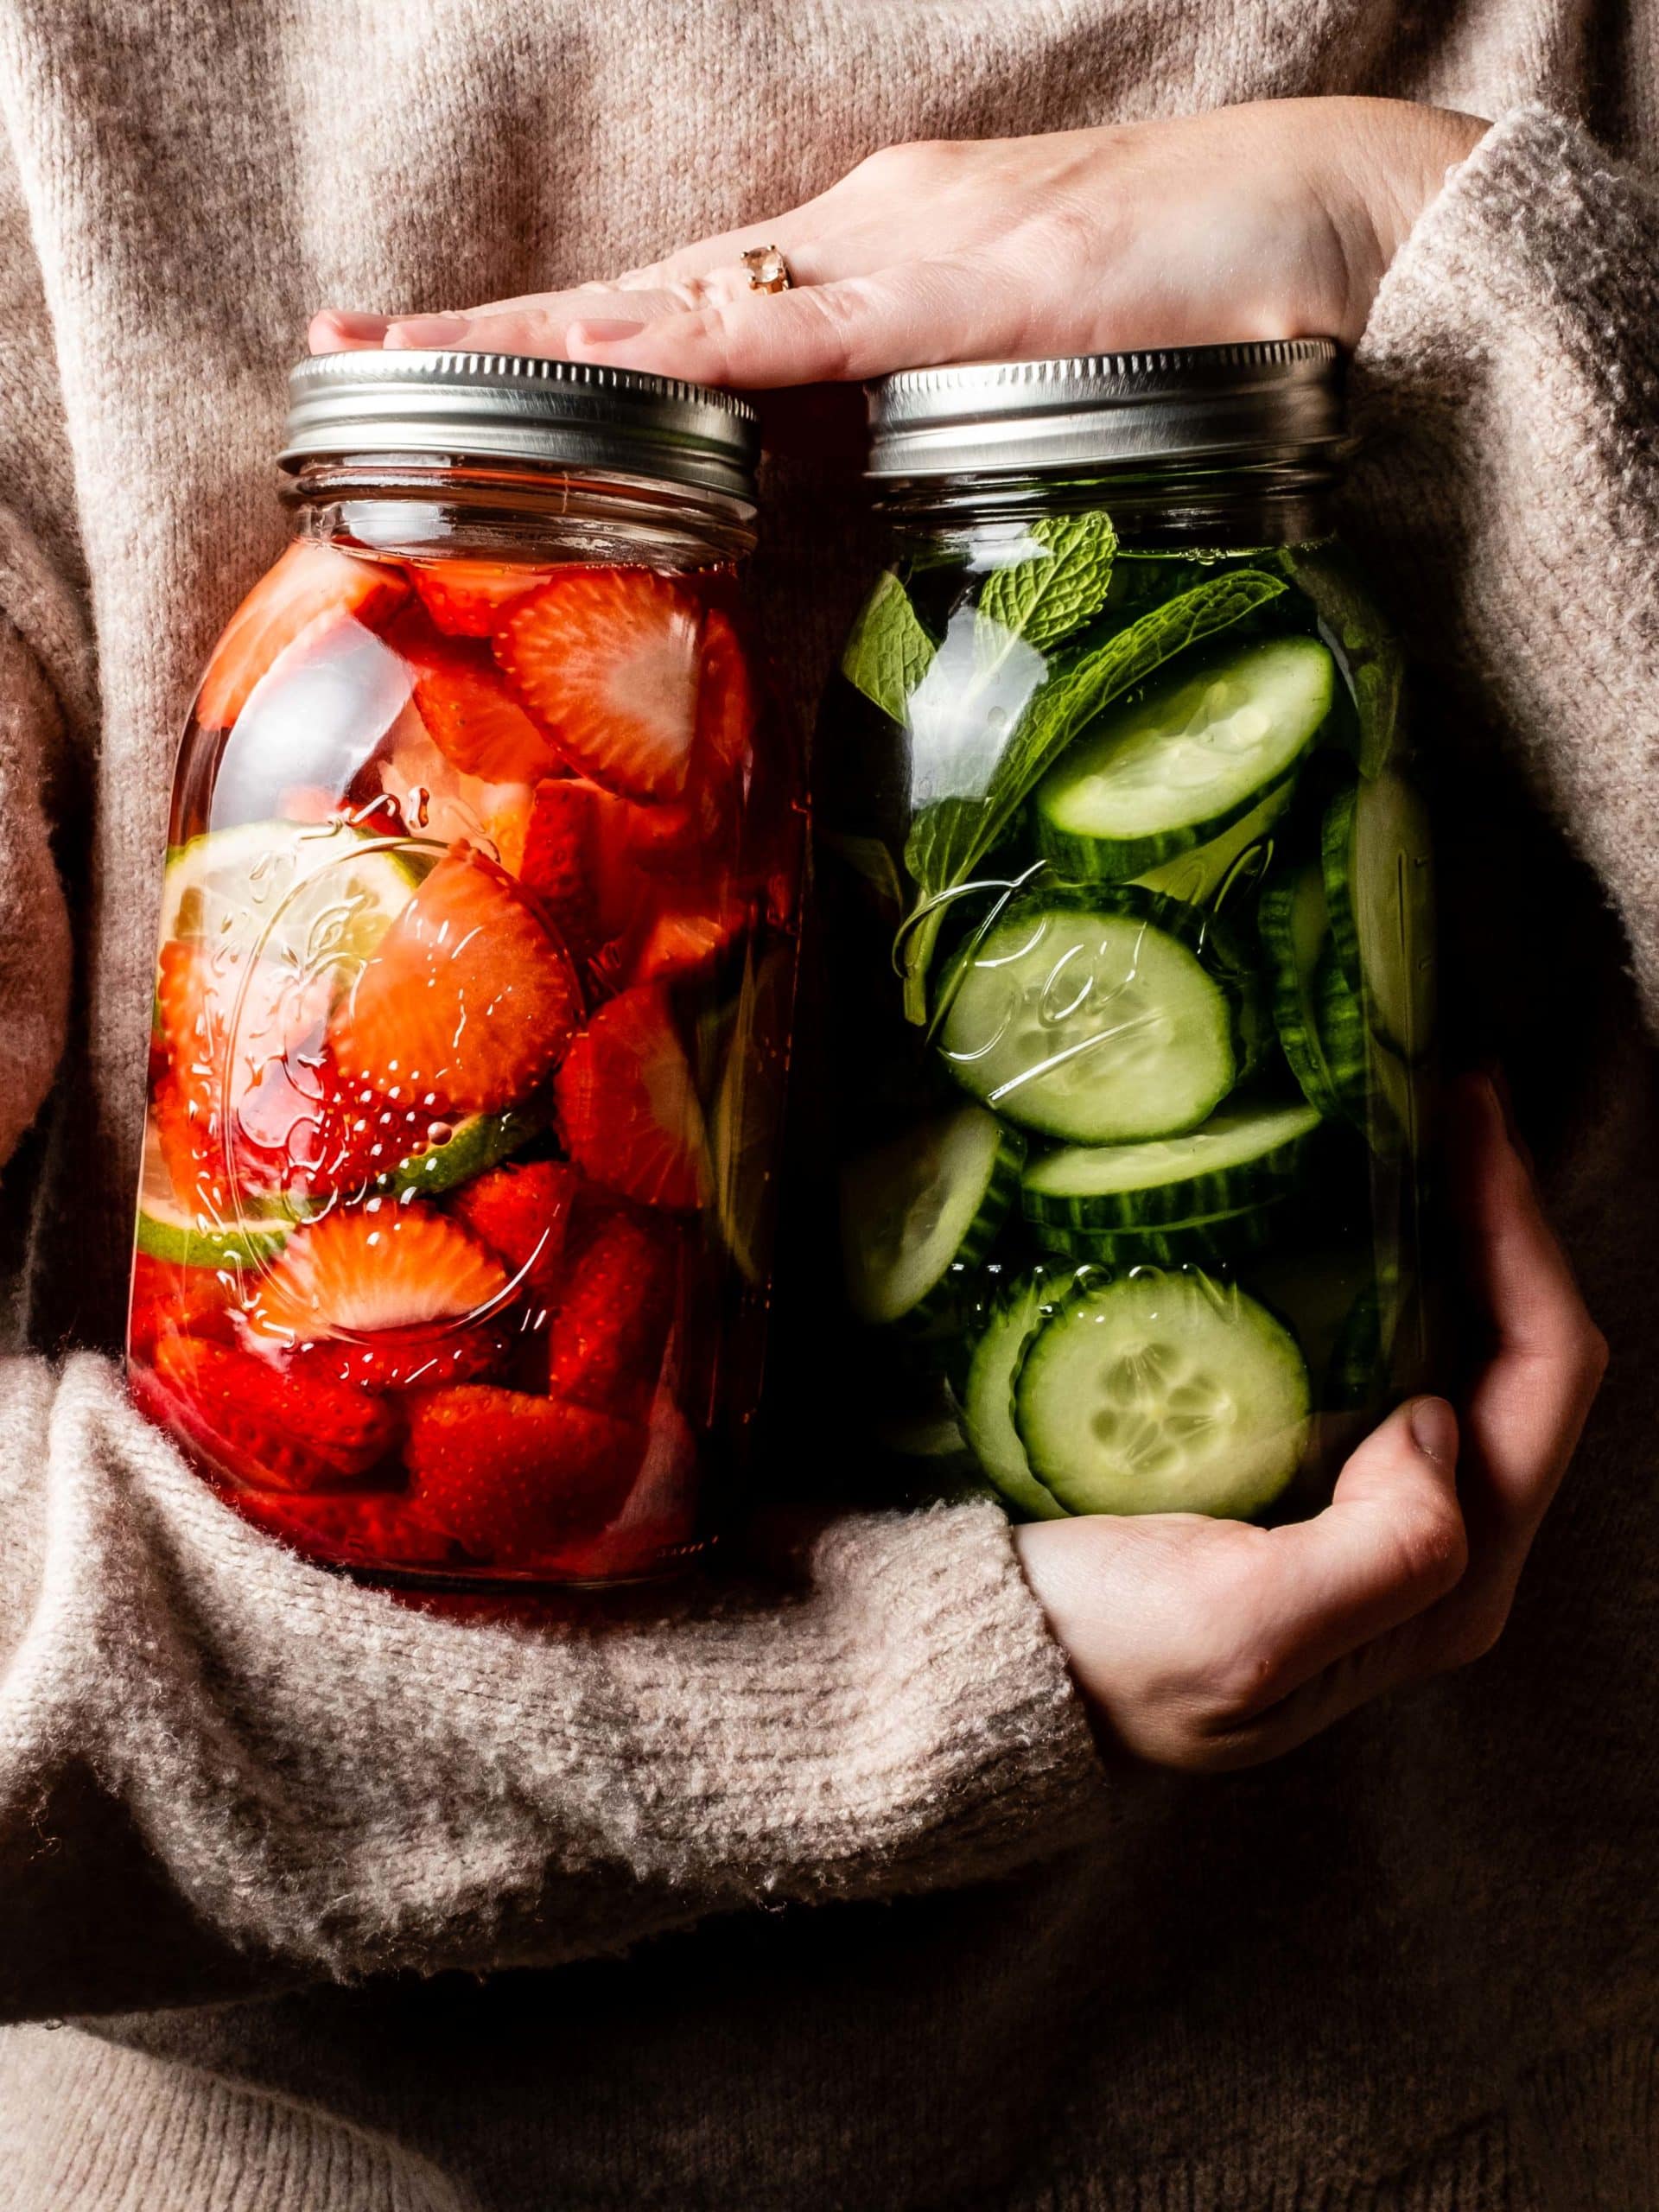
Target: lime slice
477, 1142
316, 896
171, 1232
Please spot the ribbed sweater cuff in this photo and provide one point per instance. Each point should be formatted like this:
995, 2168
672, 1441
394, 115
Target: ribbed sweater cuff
319, 1780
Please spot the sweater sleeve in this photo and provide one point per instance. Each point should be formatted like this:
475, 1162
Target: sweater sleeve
1507, 393
221, 1768
45, 682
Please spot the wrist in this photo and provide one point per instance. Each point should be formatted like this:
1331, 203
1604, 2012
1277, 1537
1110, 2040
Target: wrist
1392, 159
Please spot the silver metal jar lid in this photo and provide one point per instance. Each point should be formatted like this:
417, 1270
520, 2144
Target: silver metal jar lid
1180, 403
519, 407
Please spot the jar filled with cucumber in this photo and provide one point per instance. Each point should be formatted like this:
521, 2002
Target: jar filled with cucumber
1125, 899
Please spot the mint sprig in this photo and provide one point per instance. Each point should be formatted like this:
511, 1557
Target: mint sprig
948, 840
888, 652
1046, 597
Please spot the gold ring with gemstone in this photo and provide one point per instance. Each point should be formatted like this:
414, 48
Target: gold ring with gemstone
768, 270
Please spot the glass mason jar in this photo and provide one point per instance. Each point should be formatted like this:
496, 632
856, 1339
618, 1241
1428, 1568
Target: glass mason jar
1127, 908
476, 971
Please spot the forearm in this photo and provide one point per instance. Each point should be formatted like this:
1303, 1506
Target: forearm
310, 1780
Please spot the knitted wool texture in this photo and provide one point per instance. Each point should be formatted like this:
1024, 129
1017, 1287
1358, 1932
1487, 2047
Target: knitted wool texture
1413, 1965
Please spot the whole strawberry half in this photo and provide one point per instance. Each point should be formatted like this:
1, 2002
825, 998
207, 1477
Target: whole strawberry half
467, 1001
470, 598
609, 660
609, 1333
521, 1214
391, 1281
311, 585
467, 710
513, 1477
170, 1299
267, 1428
563, 861
627, 1107
371, 1528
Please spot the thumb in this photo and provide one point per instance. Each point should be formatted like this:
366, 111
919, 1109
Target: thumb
1390, 1543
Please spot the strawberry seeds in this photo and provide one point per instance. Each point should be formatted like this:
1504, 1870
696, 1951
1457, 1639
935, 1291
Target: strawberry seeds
451, 1142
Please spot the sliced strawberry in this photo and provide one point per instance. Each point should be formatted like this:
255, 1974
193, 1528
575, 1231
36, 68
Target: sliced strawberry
677, 940
521, 1214
242, 1039
468, 999
372, 1527
725, 712
512, 1476
628, 1106
409, 1359
560, 851
607, 659
270, 1428
657, 1521
470, 714
172, 1300
435, 801
468, 598
311, 581
610, 1330
382, 1266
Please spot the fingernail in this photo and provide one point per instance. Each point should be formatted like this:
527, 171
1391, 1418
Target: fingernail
603, 330
352, 324
1434, 1430
428, 330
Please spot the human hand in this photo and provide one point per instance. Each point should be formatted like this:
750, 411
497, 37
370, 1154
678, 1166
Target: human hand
1212, 1644
1275, 219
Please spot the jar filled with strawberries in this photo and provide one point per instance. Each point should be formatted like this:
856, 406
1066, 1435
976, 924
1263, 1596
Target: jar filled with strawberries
473, 1000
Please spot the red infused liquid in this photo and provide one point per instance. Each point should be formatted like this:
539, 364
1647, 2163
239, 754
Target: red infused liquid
467, 1065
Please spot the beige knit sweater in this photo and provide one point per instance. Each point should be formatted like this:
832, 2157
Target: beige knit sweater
251, 1821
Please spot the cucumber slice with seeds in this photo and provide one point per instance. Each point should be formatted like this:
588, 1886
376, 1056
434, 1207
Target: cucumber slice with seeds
1101, 1018
1184, 761
1379, 886
1163, 1393
918, 1212
1240, 1156
988, 1401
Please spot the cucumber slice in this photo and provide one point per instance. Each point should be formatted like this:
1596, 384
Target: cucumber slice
317, 895
1379, 886
987, 1403
1207, 1240
918, 1212
1344, 1040
480, 1142
1240, 1156
1217, 873
1295, 930
1181, 764
172, 1233
1158, 1393
1102, 1019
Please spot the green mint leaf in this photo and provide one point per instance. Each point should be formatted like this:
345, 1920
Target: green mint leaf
1048, 595
889, 652
948, 841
